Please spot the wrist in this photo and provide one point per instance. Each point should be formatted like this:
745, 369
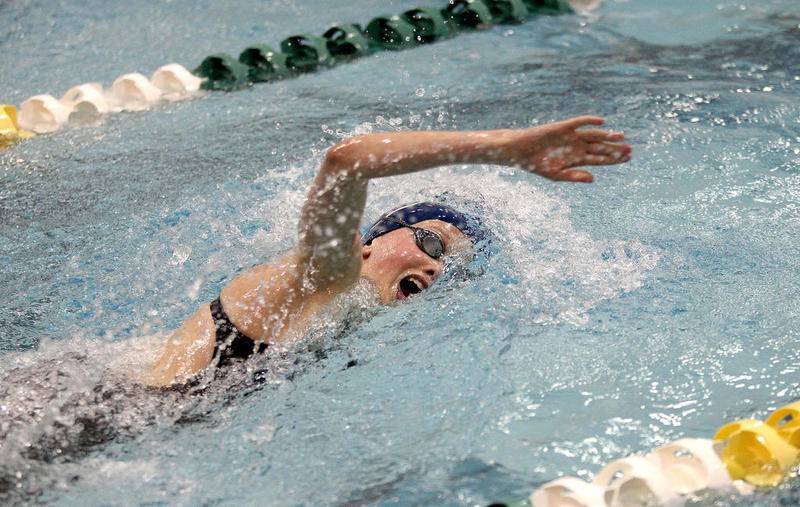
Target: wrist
494, 148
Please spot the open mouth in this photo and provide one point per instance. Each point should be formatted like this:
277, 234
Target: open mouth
409, 286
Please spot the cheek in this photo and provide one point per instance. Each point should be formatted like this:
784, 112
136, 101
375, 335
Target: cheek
398, 258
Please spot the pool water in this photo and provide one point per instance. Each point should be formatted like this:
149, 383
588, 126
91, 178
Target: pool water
657, 303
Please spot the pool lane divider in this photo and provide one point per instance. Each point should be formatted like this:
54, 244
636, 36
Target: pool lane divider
742, 456
88, 103
10, 131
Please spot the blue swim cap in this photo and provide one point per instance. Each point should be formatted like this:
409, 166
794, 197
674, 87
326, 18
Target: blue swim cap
421, 211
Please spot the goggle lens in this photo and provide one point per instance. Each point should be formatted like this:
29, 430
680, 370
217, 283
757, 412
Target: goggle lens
429, 242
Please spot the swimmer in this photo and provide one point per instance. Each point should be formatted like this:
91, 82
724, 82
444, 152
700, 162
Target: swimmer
401, 255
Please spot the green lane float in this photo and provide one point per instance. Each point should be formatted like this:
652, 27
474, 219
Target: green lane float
223, 72
508, 11
468, 14
346, 41
305, 53
429, 24
553, 7
265, 64
391, 32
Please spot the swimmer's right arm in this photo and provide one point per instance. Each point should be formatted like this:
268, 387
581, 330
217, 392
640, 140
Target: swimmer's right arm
329, 244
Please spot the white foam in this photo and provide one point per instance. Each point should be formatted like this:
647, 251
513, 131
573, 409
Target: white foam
561, 269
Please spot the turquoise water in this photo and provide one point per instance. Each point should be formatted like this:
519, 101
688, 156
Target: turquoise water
657, 303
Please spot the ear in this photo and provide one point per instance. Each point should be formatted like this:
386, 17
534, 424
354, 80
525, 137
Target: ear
366, 250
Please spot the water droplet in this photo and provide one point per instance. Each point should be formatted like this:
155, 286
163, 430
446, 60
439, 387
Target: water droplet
180, 254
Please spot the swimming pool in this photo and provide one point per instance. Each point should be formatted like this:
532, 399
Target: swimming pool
657, 303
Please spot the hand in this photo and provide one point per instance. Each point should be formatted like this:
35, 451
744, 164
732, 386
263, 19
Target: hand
556, 150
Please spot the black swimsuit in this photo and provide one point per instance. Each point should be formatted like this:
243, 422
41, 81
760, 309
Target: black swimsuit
230, 342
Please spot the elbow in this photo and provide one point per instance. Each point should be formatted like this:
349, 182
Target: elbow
344, 156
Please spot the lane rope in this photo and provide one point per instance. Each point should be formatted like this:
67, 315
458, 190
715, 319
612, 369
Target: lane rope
742, 456
86, 104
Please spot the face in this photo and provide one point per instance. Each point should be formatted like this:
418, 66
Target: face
399, 268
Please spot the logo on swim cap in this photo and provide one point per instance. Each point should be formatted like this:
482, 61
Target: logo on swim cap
421, 211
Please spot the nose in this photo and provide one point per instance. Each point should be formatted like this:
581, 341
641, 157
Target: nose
416, 258
432, 268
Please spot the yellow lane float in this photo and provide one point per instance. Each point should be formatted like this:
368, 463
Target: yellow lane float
787, 421
10, 132
755, 452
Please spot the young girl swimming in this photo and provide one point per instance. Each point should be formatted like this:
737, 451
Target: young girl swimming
400, 255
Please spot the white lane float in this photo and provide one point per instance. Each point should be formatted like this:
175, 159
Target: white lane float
568, 492
692, 465
43, 114
636, 482
584, 5
176, 82
133, 92
88, 103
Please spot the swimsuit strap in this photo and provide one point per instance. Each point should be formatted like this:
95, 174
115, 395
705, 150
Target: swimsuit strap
230, 342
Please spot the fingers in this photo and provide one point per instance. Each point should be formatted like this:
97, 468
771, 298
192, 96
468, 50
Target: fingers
573, 175
603, 159
557, 169
581, 121
610, 149
598, 135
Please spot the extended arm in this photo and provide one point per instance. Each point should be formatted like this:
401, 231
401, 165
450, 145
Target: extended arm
264, 301
329, 246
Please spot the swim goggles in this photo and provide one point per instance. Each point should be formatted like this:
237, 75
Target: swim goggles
427, 241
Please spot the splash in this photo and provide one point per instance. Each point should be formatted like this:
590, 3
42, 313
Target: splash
543, 258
